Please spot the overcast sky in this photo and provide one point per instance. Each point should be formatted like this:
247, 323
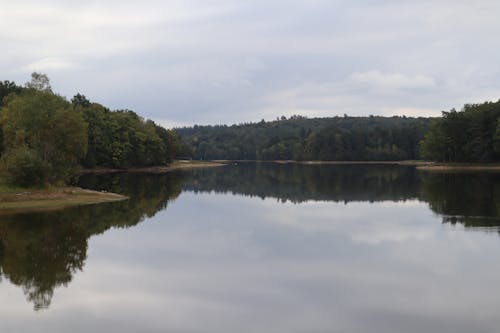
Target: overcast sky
228, 61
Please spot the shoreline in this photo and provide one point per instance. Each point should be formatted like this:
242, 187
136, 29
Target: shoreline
32, 200
407, 162
419, 165
176, 165
26, 200
194, 164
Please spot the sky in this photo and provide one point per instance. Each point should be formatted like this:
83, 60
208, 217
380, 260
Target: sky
185, 62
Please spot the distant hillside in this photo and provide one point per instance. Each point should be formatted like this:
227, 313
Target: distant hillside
300, 138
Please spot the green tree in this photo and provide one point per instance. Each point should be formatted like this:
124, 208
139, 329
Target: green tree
7, 88
49, 127
80, 100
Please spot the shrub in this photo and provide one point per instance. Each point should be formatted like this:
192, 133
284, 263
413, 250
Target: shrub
25, 168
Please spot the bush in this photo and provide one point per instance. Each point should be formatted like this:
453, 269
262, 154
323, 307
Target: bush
25, 168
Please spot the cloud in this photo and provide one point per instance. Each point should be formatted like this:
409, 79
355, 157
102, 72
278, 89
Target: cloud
221, 61
48, 65
378, 80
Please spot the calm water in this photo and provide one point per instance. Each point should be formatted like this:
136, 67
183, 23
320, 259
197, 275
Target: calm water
261, 248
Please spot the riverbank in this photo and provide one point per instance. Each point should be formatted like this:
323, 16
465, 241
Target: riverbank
176, 165
27, 200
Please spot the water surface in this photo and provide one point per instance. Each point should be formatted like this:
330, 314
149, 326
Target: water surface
261, 248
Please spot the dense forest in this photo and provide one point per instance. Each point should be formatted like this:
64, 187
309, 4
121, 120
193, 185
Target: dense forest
45, 138
469, 135
299, 138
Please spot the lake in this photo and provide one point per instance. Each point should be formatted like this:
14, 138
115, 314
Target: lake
261, 248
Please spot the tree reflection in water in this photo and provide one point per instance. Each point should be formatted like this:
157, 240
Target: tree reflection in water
42, 251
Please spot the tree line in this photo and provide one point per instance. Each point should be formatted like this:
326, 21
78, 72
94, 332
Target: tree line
469, 135
300, 138
45, 138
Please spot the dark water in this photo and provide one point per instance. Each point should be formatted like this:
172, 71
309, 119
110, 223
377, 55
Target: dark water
261, 248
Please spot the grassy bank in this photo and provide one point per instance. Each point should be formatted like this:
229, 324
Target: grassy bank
25, 200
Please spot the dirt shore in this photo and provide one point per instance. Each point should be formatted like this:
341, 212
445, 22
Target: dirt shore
51, 199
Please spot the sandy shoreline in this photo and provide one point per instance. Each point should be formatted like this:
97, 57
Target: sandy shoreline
29, 200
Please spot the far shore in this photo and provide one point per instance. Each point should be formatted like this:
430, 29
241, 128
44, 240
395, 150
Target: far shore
31, 200
195, 164
459, 167
408, 162
420, 165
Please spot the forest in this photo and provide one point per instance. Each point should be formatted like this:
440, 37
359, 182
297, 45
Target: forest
45, 139
299, 138
470, 135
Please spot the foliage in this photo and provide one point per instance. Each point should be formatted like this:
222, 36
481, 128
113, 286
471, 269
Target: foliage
25, 167
469, 135
122, 139
80, 100
40, 82
299, 138
40, 126
7, 88
48, 126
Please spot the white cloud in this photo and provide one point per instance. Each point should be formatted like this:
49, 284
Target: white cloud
378, 80
221, 61
48, 65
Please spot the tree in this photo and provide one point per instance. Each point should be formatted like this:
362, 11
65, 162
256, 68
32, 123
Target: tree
46, 126
7, 88
40, 82
469, 135
80, 100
